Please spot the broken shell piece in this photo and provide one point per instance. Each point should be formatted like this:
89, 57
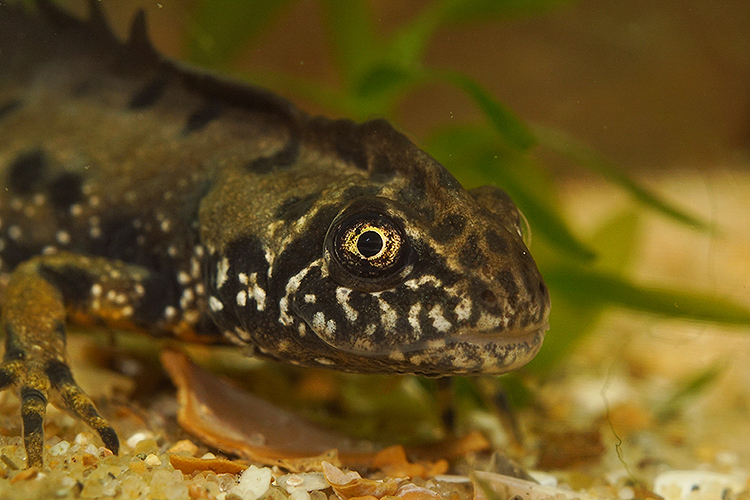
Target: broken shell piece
230, 419
488, 486
350, 484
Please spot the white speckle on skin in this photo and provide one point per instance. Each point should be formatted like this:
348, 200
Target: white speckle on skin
96, 290
183, 278
222, 272
342, 296
319, 321
170, 312
166, 225
388, 315
415, 283
39, 199
242, 277
396, 355
14, 233
414, 311
195, 268
76, 210
463, 309
487, 322
215, 304
242, 298
187, 297
256, 292
63, 237
310, 298
284, 317
292, 286
94, 201
325, 361
438, 320
435, 344
302, 328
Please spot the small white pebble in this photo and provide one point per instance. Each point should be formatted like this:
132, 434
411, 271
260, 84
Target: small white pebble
299, 495
626, 493
136, 438
81, 439
307, 481
152, 460
59, 449
683, 484
543, 478
254, 483
208, 456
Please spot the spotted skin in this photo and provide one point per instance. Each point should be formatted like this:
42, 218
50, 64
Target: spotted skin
143, 194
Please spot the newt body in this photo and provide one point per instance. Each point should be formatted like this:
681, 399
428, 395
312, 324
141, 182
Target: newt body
143, 194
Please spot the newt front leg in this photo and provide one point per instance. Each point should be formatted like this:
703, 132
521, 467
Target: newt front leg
42, 294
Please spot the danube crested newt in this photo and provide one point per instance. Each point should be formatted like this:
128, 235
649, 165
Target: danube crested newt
142, 193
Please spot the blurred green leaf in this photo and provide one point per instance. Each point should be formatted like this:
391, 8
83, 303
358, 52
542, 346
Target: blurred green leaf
505, 122
614, 241
687, 389
587, 157
380, 79
220, 28
592, 286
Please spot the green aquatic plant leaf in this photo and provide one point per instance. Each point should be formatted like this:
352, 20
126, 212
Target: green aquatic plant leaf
594, 286
588, 157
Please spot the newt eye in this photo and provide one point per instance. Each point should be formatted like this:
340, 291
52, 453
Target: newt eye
367, 250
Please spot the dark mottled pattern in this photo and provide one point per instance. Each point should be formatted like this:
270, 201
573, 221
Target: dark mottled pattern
295, 207
148, 95
199, 119
59, 373
10, 106
496, 242
449, 228
74, 283
65, 190
13, 351
26, 172
161, 290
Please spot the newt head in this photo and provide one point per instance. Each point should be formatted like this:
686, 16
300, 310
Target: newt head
386, 263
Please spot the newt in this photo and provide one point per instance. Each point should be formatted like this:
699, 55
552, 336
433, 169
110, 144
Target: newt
145, 194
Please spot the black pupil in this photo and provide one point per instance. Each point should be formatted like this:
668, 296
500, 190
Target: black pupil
369, 243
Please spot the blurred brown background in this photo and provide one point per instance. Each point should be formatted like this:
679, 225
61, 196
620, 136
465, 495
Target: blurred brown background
651, 84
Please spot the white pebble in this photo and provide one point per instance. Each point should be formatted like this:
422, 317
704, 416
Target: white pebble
254, 483
684, 484
137, 438
152, 460
59, 449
